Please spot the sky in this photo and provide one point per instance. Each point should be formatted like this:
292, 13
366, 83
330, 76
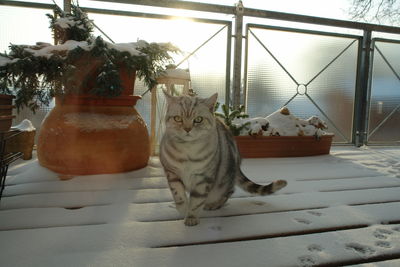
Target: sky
321, 8
11, 25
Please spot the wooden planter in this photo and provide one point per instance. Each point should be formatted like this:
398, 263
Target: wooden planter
86, 134
6, 108
22, 142
283, 146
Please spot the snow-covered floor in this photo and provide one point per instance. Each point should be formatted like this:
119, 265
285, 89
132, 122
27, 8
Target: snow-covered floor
338, 209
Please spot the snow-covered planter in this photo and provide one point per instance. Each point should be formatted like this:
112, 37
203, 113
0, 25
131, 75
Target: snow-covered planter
94, 127
22, 142
282, 135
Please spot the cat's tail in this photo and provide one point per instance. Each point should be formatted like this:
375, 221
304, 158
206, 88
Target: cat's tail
249, 186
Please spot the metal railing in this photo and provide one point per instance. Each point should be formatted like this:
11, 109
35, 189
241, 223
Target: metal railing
384, 113
236, 71
300, 88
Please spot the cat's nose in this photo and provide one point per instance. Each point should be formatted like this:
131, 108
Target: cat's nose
187, 129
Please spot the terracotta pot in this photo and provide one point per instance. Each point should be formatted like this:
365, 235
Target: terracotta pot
87, 68
5, 123
89, 139
85, 134
282, 146
6, 99
6, 109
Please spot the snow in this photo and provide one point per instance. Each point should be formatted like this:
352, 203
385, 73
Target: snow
65, 23
88, 122
282, 123
131, 48
337, 209
69, 22
25, 126
48, 50
182, 74
4, 61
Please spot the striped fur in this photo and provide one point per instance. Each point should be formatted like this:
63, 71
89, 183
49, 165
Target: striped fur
200, 158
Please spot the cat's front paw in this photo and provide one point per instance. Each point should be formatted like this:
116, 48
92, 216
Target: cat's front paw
191, 221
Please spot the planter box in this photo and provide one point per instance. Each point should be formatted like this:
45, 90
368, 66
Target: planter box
283, 146
6, 99
22, 142
5, 123
6, 109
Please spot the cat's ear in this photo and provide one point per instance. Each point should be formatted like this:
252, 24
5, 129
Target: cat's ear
211, 101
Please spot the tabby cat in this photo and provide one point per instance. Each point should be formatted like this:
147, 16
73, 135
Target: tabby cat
200, 158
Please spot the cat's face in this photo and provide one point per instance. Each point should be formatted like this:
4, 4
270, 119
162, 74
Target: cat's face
190, 118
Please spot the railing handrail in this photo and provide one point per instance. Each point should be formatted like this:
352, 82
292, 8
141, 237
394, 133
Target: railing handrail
251, 12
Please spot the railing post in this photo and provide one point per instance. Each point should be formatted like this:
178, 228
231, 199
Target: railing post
361, 107
237, 60
67, 5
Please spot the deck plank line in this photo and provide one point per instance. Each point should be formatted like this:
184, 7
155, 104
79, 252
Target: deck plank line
85, 199
161, 183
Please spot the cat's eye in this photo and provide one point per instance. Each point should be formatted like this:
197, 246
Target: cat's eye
198, 119
178, 118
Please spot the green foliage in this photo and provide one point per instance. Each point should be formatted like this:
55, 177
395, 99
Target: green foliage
79, 27
34, 78
229, 114
108, 82
158, 57
27, 75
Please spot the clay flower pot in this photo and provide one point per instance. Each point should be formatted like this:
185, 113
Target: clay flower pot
283, 146
6, 108
85, 134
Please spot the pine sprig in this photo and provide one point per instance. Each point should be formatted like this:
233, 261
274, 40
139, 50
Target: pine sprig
70, 26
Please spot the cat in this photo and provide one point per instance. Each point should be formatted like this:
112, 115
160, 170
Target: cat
200, 158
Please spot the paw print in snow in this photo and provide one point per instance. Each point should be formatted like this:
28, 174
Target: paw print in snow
303, 221
315, 213
314, 248
382, 233
306, 260
258, 203
361, 249
216, 228
383, 244
397, 228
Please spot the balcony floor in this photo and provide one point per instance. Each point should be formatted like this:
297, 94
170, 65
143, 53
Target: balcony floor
338, 209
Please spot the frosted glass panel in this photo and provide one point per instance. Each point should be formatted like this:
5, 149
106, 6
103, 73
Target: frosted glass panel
295, 60
23, 26
207, 65
384, 120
